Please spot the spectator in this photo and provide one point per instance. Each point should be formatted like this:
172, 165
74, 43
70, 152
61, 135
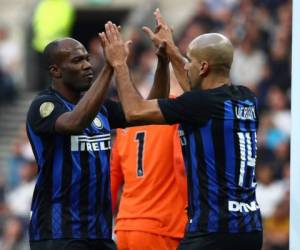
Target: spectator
21, 153
9, 54
13, 237
248, 63
19, 199
277, 227
269, 192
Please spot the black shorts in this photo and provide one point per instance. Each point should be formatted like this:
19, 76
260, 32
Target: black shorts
222, 241
73, 244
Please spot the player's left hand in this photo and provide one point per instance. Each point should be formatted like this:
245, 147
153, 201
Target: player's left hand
162, 32
116, 50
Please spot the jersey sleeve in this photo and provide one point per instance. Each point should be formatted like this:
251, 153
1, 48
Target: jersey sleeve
43, 114
116, 174
115, 114
193, 107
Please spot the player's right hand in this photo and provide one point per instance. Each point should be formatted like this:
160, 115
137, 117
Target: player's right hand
115, 49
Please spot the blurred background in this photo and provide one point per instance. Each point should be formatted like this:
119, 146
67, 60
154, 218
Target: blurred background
259, 29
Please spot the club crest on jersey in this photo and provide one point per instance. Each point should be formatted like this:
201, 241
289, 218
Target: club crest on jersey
98, 123
46, 109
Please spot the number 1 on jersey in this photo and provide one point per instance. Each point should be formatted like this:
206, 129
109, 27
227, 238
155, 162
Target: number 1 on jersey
140, 138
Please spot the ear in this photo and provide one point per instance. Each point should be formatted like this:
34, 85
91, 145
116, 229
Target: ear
203, 68
55, 71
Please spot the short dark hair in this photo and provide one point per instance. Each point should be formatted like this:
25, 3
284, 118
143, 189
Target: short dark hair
50, 54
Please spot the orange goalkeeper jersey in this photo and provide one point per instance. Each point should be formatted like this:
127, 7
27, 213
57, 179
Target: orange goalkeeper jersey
148, 160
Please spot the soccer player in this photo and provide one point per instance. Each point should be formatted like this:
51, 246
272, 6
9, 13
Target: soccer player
147, 161
70, 137
220, 123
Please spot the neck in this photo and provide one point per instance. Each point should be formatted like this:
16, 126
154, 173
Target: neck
70, 94
214, 81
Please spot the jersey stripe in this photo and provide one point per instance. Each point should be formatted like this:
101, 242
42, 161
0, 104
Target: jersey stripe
91, 198
210, 164
194, 202
75, 193
38, 147
84, 194
97, 197
105, 195
66, 215
44, 213
203, 183
218, 138
230, 161
57, 188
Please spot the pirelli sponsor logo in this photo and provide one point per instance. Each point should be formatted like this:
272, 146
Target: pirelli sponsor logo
90, 143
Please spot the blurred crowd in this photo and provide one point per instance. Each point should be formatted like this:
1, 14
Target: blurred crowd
261, 33
9, 63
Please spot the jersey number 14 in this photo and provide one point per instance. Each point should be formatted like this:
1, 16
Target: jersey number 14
248, 157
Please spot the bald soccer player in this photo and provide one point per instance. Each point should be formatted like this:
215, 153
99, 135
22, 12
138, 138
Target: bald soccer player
219, 121
70, 136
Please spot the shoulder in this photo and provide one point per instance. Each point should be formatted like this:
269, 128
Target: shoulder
44, 102
44, 105
45, 96
244, 91
192, 97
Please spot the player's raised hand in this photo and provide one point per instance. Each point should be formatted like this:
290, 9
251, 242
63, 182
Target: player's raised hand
115, 49
161, 52
162, 32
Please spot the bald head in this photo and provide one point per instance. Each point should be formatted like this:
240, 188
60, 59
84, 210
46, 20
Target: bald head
214, 48
56, 49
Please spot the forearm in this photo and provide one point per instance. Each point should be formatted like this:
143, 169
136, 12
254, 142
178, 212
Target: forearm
89, 105
161, 85
129, 97
137, 110
178, 62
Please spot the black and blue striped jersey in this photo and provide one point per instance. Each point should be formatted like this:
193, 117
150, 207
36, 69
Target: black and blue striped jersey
72, 197
219, 133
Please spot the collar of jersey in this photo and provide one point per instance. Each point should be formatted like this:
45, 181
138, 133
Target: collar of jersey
59, 95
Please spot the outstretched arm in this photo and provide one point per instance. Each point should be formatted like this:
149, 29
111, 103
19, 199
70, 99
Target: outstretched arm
161, 85
88, 107
136, 109
163, 33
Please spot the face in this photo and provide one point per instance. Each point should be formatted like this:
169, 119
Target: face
193, 68
75, 69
